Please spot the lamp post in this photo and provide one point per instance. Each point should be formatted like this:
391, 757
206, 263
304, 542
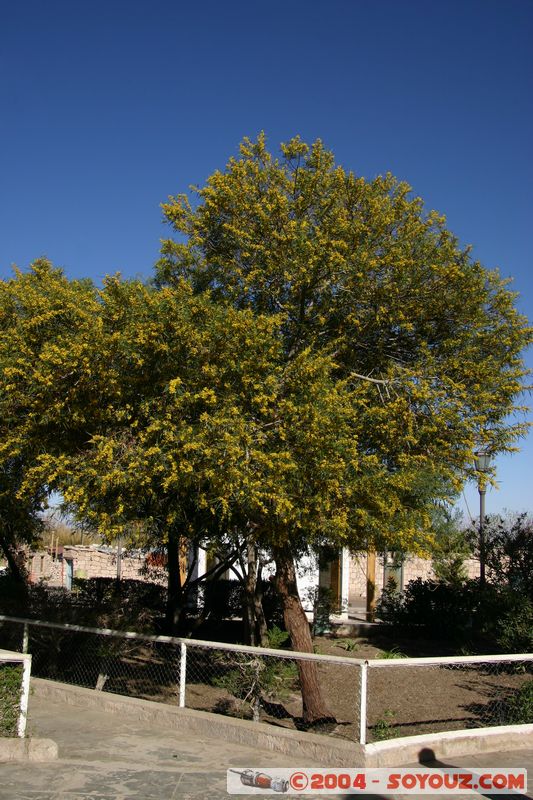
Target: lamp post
482, 464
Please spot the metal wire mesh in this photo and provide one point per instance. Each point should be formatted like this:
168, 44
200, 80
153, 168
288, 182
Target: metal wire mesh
11, 635
132, 667
267, 688
405, 700
403, 697
248, 685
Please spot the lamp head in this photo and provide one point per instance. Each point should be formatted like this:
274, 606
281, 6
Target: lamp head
482, 461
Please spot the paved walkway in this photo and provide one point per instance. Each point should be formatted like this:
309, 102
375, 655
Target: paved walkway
102, 757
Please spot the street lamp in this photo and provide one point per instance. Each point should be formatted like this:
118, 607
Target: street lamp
482, 464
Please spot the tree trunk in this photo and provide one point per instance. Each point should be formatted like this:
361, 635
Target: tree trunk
254, 623
315, 709
261, 635
174, 593
248, 606
17, 570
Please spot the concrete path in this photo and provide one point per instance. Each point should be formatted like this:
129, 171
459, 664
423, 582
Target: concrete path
103, 757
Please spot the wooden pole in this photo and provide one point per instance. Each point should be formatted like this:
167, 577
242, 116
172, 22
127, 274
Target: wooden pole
371, 584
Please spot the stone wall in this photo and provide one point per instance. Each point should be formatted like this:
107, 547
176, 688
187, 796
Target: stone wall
42, 566
87, 562
413, 567
93, 562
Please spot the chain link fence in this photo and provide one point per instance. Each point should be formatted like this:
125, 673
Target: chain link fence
265, 686
245, 682
368, 700
406, 697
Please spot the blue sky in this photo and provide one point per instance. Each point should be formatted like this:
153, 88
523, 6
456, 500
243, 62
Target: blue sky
109, 107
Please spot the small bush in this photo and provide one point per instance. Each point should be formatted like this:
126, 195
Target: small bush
384, 727
519, 710
277, 637
390, 604
514, 628
254, 679
350, 645
394, 652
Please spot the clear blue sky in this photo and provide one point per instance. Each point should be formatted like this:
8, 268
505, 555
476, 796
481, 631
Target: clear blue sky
108, 107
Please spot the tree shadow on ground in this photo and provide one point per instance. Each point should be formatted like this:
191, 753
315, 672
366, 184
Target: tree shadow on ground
427, 757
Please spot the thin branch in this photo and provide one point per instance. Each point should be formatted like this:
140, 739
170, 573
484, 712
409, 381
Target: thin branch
372, 380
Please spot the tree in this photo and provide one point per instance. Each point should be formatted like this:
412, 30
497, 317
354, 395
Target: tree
422, 342
315, 365
509, 557
20, 522
451, 547
127, 400
35, 311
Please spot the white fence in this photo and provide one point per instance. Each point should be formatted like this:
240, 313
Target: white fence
405, 696
369, 699
8, 657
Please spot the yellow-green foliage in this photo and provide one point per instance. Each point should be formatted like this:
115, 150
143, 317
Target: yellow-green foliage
428, 340
317, 362
156, 405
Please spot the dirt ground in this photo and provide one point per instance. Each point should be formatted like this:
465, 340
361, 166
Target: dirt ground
402, 700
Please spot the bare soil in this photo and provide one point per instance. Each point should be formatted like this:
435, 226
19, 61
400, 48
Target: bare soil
402, 700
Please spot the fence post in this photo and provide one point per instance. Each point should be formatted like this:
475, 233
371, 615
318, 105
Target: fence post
24, 696
25, 638
183, 674
362, 703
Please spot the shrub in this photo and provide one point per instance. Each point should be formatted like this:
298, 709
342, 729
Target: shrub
452, 546
10, 689
432, 604
124, 604
390, 603
394, 652
519, 708
508, 551
95, 602
350, 645
486, 618
514, 628
254, 679
384, 727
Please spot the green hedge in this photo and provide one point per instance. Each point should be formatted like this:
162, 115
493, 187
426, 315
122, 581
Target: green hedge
10, 690
489, 618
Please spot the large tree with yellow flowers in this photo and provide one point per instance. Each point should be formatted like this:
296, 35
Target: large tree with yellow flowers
38, 312
423, 344
165, 410
128, 401
316, 364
